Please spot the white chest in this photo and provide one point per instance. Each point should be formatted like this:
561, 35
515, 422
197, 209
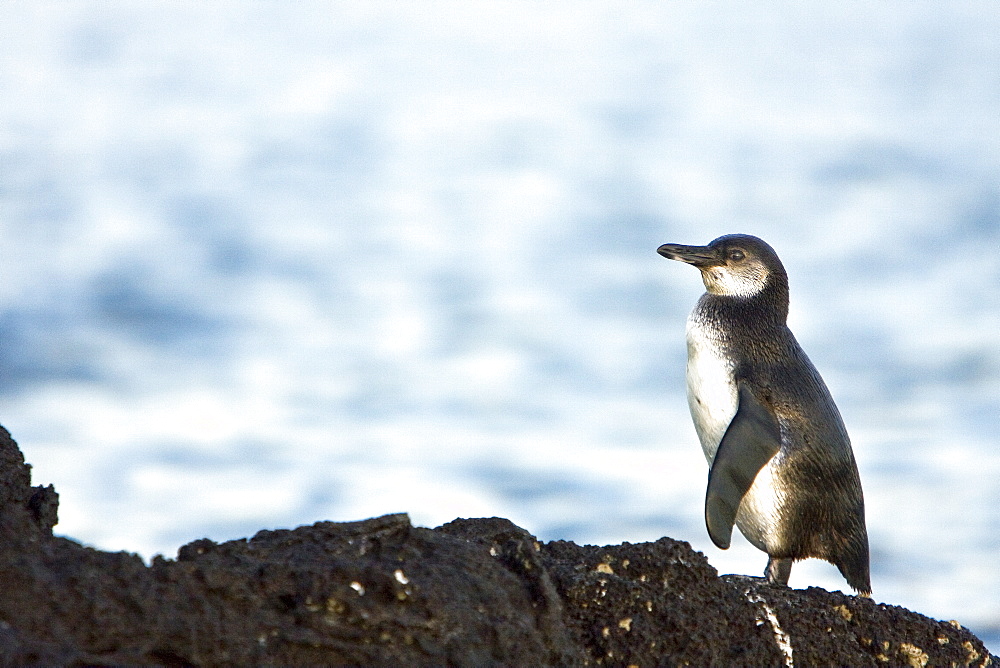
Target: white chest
711, 388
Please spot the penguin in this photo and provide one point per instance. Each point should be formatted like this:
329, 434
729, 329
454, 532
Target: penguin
781, 467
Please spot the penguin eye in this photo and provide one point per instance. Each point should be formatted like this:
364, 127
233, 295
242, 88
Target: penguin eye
736, 255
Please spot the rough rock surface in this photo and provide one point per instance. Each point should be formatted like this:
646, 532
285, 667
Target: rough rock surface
382, 592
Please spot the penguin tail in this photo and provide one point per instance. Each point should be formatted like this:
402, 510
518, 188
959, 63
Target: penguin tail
855, 570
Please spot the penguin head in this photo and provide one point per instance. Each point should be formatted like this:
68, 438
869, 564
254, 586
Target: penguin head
735, 265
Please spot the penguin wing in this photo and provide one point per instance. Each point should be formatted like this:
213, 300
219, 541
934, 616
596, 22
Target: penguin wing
751, 439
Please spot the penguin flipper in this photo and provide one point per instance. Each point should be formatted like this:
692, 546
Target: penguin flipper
751, 439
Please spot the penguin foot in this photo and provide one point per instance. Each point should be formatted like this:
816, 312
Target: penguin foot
778, 570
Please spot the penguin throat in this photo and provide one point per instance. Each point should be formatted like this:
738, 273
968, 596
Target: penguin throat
766, 307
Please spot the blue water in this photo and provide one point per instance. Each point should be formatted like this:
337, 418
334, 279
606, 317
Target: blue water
268, 264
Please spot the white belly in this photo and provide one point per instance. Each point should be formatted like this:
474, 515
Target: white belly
711, 388
713, 398
760, 512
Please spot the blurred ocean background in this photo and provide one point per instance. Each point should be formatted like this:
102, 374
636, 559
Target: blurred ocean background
267, 263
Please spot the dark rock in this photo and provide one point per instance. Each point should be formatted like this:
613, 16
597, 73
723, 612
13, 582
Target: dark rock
382, 592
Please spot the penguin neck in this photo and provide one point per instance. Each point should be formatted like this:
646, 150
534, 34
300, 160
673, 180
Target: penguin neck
764, 310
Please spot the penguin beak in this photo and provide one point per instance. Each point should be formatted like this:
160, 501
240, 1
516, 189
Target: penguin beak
699, 256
